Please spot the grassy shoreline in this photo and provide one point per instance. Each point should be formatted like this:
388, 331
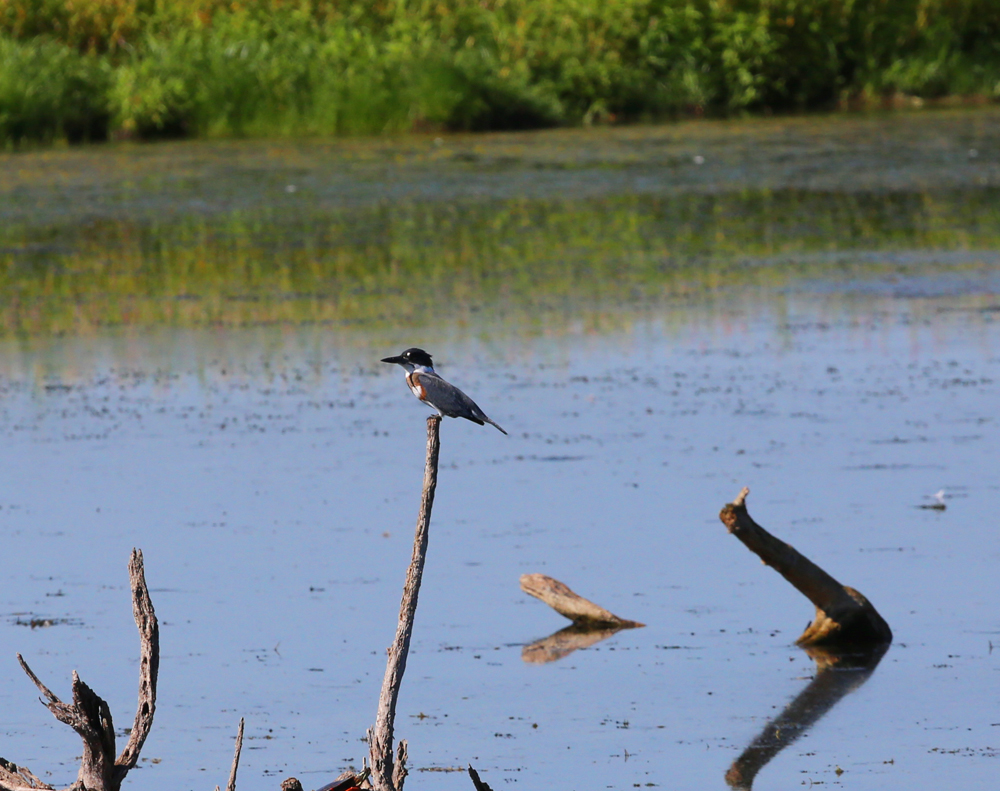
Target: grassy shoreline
112, 69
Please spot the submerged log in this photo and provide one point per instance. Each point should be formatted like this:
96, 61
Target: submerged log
90, 716
843, 615
388, 774
571, 605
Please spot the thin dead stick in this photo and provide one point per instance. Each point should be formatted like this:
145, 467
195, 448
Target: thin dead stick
149, 665
571, 605
231, 786
89, 714
384, 775
843, 615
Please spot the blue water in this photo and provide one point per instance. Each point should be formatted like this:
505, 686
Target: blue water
272, 477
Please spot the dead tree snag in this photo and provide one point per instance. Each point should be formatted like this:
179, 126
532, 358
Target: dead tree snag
89, 714
843, 615
388, 774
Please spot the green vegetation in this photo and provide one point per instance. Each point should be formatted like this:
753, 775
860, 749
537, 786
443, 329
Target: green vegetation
143, 68
523, 261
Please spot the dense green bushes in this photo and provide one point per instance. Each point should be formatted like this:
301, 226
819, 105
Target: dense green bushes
205, 67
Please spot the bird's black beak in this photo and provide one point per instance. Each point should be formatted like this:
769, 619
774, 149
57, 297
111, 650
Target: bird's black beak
396, 360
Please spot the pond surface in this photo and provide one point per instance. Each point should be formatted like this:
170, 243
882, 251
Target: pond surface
190, 366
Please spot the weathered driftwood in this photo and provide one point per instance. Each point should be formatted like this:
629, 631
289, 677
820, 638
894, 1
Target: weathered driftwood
837, 674
90, 716
565, 642
571, 605
843, 615
387, 774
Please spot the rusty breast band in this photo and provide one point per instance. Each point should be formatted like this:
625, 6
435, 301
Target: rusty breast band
413, 380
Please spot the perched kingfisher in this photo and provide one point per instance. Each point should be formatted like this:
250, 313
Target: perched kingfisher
429, 387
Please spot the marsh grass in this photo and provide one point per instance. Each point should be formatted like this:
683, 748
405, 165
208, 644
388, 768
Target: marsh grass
268, 67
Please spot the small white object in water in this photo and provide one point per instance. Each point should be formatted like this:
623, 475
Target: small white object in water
290, 188
938, 504
698, 159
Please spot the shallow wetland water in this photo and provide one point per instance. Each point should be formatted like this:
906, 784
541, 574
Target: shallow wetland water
658, 316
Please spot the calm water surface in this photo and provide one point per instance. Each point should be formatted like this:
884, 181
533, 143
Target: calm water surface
270, 471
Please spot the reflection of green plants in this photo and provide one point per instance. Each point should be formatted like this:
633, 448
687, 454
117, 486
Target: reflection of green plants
519, 258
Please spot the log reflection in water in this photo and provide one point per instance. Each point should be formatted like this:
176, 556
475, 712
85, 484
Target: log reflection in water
836, 675
566, 641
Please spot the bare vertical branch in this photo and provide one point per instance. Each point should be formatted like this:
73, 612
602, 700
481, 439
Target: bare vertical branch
399, 771
381, 736
149, 664
231, 785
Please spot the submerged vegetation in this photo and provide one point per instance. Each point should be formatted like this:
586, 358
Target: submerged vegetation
141, 68
526, 261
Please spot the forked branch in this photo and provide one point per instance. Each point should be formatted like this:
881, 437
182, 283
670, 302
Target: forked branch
89, 714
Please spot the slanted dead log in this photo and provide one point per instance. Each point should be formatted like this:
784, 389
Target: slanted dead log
90, 716
571, 605
843, 615
837, 674
388, 774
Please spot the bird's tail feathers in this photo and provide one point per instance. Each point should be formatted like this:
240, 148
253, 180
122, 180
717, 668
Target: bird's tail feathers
495, 425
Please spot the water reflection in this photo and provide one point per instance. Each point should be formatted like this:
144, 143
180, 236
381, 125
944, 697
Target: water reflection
837, 674
564, 642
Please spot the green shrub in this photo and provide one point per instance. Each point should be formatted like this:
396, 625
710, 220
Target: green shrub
50, 92
248, 67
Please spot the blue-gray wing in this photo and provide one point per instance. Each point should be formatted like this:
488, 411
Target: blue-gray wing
451, 401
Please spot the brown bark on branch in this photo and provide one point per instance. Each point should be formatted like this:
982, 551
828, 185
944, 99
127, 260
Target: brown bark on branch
89, 714
386, 774
843, 615
571, 605
231, 785
17, 778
